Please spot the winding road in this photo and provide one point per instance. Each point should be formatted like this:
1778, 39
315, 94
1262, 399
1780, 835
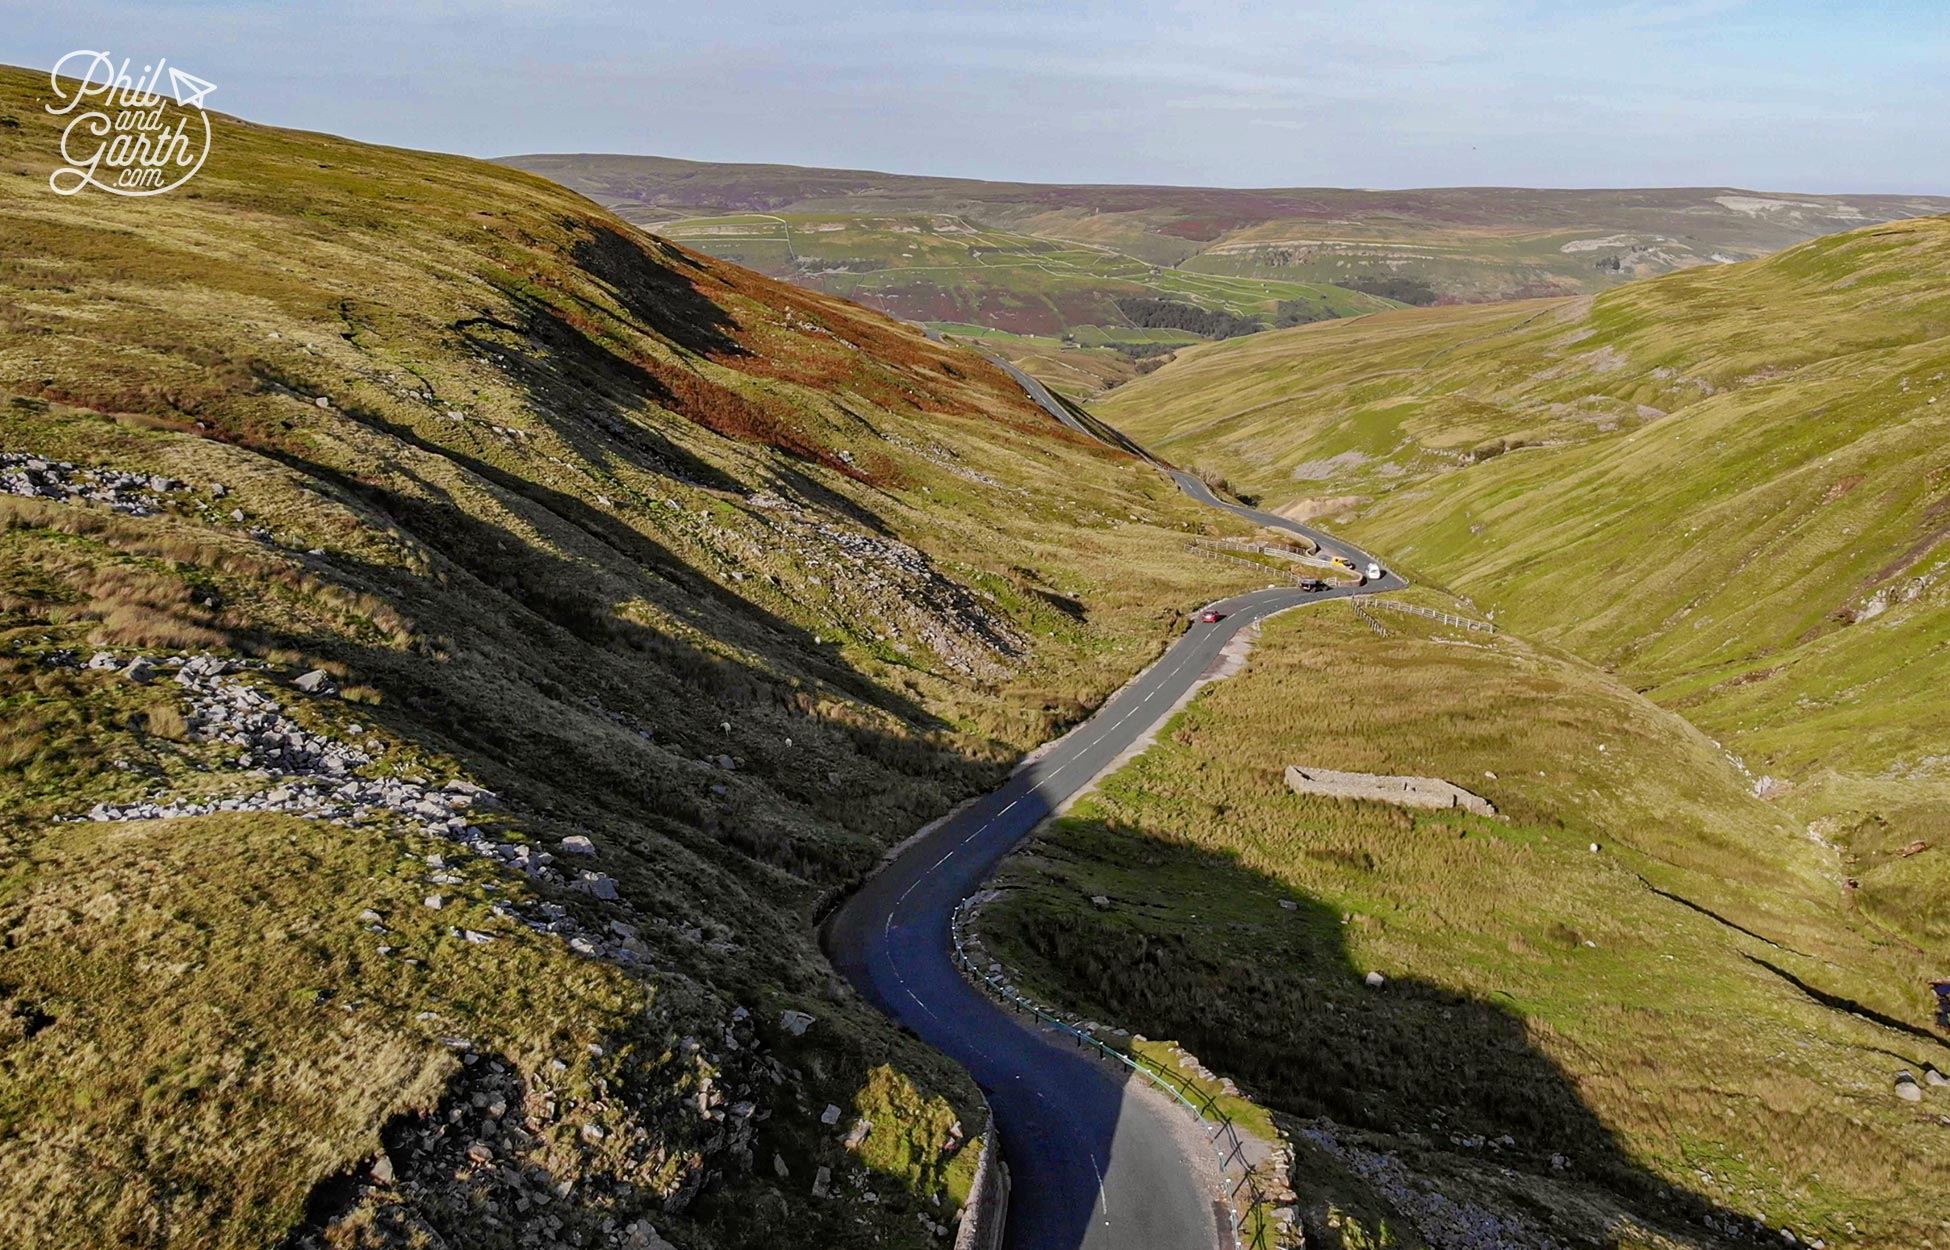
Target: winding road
1095, 1163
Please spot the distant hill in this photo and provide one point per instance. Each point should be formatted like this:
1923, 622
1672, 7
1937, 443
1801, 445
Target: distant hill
1051, 263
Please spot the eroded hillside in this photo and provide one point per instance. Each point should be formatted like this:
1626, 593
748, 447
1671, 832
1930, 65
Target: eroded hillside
451, 644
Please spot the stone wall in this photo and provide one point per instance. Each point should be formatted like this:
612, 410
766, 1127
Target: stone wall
982, 1219
1424, 792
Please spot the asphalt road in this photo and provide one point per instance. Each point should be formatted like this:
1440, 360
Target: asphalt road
1094, 1164
1191, 485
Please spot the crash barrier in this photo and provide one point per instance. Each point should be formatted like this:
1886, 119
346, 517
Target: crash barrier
1224, 1138
987, 1211
1415, 609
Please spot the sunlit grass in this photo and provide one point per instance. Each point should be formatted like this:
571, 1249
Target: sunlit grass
1566, 998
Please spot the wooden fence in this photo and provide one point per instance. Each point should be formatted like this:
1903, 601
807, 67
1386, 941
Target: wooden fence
1414, 609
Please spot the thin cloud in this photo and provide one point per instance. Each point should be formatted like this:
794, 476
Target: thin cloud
1789, 94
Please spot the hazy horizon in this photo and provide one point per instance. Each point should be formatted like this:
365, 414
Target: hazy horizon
1002, 180
1800, 96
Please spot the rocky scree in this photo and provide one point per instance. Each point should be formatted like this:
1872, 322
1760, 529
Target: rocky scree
517, 1159
133, 494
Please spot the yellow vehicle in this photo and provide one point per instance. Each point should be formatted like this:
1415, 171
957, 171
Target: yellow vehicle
1341, 562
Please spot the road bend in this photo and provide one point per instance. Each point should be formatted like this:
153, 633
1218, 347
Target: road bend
1095, 1164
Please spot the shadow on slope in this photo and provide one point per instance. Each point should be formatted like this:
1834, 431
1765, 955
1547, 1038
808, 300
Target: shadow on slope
516, 661
653, 290
1270, 995
514, 624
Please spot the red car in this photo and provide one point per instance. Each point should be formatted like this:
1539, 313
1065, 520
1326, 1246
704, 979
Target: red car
1211, 617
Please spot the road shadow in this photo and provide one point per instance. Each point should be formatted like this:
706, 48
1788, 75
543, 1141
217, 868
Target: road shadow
1276, 1002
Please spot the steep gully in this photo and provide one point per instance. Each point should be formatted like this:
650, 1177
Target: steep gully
1097, 1164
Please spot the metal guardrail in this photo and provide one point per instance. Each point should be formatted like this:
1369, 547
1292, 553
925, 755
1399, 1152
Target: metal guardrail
1416, 609
1224, 1138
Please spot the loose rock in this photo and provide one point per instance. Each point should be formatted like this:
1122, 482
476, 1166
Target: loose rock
313, 682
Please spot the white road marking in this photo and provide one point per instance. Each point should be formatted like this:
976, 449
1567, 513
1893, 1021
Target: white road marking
918, 1003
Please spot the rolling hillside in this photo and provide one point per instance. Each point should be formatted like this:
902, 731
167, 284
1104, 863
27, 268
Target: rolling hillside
451, 645
1677, 991
1049, 273
1638, 1007
1728, 486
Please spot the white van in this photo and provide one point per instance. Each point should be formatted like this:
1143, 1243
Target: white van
1374, 571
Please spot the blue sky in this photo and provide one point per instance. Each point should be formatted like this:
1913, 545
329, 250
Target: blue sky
1790, 95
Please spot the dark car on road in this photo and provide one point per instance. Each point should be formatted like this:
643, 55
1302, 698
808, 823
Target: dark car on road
1312, 584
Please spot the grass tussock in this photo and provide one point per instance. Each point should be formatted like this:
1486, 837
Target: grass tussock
914, 1139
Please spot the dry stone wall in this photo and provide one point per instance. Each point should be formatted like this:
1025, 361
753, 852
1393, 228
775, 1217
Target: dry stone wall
987, 1210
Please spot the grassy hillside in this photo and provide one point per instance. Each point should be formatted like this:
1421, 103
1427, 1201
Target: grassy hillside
1044, 268
1725, 491
1726, 485
1637, 1008
450, 645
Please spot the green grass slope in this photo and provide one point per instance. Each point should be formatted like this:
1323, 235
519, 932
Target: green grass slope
1655, 1044
722, 587
1727, 485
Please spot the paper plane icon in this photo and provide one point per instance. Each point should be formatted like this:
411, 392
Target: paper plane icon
188, 89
